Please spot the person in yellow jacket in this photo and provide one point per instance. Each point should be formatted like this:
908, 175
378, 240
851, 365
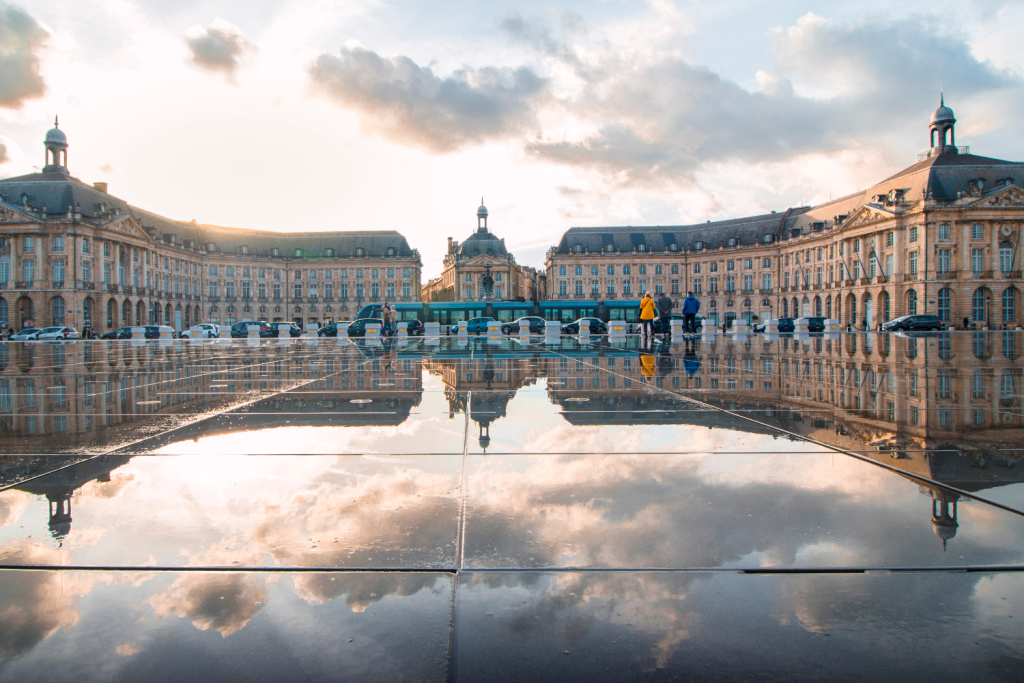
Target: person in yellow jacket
648, 311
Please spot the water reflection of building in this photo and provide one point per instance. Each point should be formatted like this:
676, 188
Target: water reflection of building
483, 384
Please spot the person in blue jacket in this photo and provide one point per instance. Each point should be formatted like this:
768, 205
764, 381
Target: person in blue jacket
690, 308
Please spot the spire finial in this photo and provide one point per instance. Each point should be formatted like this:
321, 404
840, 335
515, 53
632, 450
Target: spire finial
942, 99
481, 200
55, 122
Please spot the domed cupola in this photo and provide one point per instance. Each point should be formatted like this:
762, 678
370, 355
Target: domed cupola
481, 217
941, 127
56, 150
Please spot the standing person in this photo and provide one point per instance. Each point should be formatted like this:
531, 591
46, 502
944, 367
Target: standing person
647, 312
385, 319
665, 313
393, 321
690, 307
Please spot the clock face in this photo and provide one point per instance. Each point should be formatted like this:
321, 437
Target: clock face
1006, 230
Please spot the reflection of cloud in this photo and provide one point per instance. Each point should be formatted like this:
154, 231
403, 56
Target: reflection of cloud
127, 650
106, 489
12, 504
223, 602
34, 605
360, 590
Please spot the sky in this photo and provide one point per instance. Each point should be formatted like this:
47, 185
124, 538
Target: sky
374, 115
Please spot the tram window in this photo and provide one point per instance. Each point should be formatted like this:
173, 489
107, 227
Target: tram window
506, 315
615, 314
568, 315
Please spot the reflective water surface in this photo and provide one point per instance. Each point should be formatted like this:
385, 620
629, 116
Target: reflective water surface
571, 510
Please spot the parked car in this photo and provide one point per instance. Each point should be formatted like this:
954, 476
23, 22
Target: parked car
331, 330
698, 322
357, 328
119, 333
241, 330
786, 325
595, 325
414, 328
57, 333
535, 324
476, 325
816, 324
202, 330
913, 323
26, 334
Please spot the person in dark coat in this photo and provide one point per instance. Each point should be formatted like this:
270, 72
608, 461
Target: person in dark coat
665, 313
690, 308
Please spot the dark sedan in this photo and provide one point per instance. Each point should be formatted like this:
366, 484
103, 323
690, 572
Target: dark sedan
786, 325
241, 330
913, 323
595, 325
119, 333
535, 324
357, 328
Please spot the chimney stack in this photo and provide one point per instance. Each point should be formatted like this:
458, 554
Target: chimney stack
102, 187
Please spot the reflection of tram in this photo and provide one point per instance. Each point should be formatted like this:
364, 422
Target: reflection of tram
449, 313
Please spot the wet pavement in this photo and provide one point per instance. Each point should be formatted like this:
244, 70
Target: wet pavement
714, 509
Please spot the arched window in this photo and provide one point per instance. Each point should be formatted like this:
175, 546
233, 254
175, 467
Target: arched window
1009, 305
577, 248
828, 307
360, 252
978, 306
1005, 257
167, 315
609, 248
57, 308
817, 306
391, 251
126, 313
912, 302
944, 299
884, 300
110, 313
785, 308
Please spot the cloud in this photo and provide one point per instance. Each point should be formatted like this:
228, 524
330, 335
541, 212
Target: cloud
221, 46
4, 156
107, 168
408, 103
21, 38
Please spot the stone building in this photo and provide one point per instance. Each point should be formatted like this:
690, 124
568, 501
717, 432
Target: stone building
74, 254
466, 266
942, 236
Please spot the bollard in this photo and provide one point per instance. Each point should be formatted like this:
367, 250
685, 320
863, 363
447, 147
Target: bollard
253, 330
739, 326
832, 326
284, 330
709, 328
403, 330
524, 334
616, 330
677, 328
584, 331
432, 333
463, 328
311, 331
772, 326
800, 326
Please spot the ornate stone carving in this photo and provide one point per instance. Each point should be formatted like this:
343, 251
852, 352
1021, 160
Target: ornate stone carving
1010, 199
7, 215
863, 217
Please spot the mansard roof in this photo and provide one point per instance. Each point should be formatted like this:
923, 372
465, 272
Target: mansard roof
57, 192
713, 234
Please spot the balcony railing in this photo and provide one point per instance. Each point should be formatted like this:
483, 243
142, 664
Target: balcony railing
765, 291
981, 274
945, 275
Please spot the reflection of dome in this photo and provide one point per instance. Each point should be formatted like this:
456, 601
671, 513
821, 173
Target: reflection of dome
944, 530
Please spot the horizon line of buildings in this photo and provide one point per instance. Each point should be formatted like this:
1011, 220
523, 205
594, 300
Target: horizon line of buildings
942, 236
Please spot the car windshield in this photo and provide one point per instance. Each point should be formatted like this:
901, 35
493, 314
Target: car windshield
28, 331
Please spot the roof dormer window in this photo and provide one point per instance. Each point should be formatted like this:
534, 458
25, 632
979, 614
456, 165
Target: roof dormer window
673, 247
360, 251
275, 252
698, 245
609, 248
391, 251
211, 247
769, 238
641, 247
243, 250
577, 248
298, 253
733, 241
329, 252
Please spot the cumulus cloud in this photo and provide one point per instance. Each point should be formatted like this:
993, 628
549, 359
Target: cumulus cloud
220, 46
4, 156
21, 38
404, 101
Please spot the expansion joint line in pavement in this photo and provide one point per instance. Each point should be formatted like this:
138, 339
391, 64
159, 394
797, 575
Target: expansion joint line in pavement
836, 449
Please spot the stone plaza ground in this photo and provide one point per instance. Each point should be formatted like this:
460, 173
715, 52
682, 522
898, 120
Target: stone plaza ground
722, 508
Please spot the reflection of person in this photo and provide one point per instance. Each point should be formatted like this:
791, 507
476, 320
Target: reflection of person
690, 308
967, 323
690, 361
664, 360
647, 365
646, 315
385, 314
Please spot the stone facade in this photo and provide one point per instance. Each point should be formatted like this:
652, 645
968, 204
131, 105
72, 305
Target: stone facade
72, 254
467, 264
942, 236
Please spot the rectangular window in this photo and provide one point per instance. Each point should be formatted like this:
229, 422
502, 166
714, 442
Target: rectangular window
713, 285
359, 290
298, 291
888, 265
343, 290
657, 270
406, 290
888, 239
277, 291
297, 275
696, 285
261, 290
748, 264
213, 289
344, 273
696, 268
730, 283
375, 290
374, 273
748, 283
245, 270
312, 289
390, 290
85, 245
58, 243
730, 265
561, 270
976, 231
229, 270
766, 281
106, 273
627, 288
579, 287
213, 271
977, 260
30, 246
625, 270
359, 273
405, 273
913, 234
675, 287
562, 288
658, 289
943, 263
328, 290
391, 272
944, 231
58, 272
713, 267
913, 263
872, 267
